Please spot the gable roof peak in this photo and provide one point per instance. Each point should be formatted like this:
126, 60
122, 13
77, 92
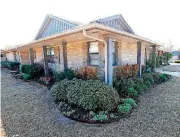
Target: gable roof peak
115, 21
62, 18
53, 25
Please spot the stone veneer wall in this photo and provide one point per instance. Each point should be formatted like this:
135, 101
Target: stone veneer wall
77, 55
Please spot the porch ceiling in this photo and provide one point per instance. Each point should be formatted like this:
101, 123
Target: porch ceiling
95, 30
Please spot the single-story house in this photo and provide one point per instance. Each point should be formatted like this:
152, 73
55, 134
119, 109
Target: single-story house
103, 43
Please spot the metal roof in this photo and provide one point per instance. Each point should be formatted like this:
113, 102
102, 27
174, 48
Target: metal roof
53, 25
115, 21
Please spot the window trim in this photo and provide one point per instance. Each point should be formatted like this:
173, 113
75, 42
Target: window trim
115, 53
50, 49
95, 53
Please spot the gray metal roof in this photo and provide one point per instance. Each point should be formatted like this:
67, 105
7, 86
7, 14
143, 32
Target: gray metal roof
117, 22
53, 25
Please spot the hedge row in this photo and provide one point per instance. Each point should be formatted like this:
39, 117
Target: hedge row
132, 86
10, 65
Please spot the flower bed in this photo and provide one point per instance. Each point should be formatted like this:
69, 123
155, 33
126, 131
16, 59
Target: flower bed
93, 101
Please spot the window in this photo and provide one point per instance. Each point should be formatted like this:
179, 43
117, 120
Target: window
50, 51
93, 54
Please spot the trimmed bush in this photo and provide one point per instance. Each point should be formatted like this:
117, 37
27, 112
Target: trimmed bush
156, 78
138, 84
102, 115
148, 83
66, 74
132, 92
129, 101
163, 77
69, 73
28, 69
125, 71
59, 90
123, 85
38, 70
148, 77
10, 65
59, 75
125, 108
87, 73
144, 86
138, 88
93, 95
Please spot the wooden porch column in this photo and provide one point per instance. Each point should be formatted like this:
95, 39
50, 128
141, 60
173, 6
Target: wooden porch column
153, 57
31, 56
109, 68
139, 59
46, 71
64, 50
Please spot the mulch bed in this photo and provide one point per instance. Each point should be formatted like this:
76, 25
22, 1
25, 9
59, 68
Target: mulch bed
84, 116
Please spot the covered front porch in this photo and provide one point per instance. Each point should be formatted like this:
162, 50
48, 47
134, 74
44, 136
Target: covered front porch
93, 45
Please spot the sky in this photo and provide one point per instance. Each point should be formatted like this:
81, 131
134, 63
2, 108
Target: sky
158, 20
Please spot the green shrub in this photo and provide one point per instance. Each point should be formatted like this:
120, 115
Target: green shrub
138, 81
148, 77
125, 108
59, 75
144, 86
148, 83
59, 90
163, 77
132, 92
125, 71
167, 76
26, 76
69, 73
138, 88
101, 116
123, 85
10, 65
87, 73
92, 95
129, 101
66, 74
38, 70
28, 69
138, 84
156, 78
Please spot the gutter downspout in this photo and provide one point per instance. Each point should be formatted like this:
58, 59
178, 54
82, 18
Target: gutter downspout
105, 44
